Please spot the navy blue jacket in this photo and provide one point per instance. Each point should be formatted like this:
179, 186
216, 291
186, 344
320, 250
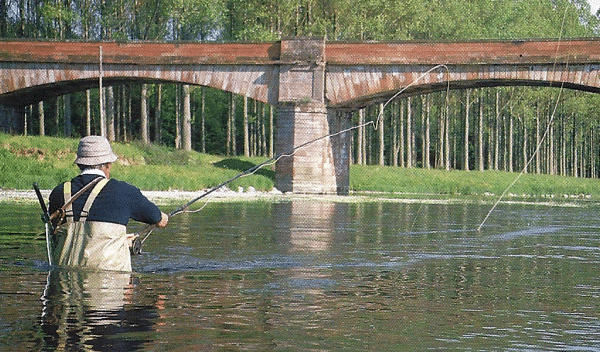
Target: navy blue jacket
117, 202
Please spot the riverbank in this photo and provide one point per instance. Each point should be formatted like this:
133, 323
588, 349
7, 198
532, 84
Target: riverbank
177, 198
180, 175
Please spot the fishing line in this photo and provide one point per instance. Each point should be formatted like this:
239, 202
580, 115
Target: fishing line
550, 122
184, 208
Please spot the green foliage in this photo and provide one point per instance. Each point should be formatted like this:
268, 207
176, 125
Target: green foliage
269, 20
24, 160
49, 161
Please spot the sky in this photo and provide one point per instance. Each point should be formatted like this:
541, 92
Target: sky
595, 4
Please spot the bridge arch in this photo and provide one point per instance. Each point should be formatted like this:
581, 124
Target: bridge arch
32, 83
355, 87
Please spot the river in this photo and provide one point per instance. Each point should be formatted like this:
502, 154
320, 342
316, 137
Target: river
310, 275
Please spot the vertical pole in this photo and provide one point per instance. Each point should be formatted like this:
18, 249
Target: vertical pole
101, 99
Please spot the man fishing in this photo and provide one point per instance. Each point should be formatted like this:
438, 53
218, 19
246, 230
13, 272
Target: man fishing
93, 232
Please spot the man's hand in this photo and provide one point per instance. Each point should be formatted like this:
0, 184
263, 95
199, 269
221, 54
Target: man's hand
163, 221
135, 245
130, 238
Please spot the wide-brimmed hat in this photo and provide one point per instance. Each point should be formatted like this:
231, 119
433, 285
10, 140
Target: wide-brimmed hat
94, 150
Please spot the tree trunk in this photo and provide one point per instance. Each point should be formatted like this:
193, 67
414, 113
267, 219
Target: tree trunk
381, 136
524, 149
511, 141
101, 99
497, 133
394, 127
574, 147
230, 124
67, 110
158, 115
41, 118
480, 135
466, 135
563, 149
447, 137
110, 113
538, 169
593, 151
271, 133
552, 163
409, 134
57, 115
118, 111
187, 119
442, 132
26, 117
88, 112
246, 129
125, 129
401, 132
361, 137
144, 114
130, 110
427, 133
263, 130
178, 116
202, 119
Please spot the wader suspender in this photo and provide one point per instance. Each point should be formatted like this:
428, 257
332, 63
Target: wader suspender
88, 203
61, 212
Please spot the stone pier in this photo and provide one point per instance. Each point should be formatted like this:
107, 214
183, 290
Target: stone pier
313, 162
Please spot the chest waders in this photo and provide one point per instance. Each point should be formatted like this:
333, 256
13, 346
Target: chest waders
92, 244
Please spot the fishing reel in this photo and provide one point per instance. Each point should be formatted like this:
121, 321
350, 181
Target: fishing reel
136, 246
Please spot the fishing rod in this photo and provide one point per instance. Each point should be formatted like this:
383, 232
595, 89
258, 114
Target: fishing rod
45, 212
136, 247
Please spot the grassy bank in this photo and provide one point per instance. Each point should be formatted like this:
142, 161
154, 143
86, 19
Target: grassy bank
438, 182
49, 161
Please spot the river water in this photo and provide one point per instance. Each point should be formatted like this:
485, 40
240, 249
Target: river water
306, 275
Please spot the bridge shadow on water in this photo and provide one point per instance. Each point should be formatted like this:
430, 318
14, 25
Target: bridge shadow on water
244, 165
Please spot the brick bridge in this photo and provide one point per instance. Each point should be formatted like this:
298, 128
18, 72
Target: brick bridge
314, 84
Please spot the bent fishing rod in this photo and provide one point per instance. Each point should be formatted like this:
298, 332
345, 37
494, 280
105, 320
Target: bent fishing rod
137, 243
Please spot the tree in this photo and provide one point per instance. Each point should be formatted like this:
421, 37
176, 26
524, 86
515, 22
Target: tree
381, 139
187, 120
41, 118
144, 132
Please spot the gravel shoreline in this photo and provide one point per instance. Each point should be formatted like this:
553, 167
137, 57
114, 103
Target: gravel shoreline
158, 197
224, 194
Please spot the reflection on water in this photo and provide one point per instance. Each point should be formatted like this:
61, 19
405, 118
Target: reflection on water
306, 226
315, 275
84, 310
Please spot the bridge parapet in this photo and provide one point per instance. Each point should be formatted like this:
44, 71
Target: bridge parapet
573, 51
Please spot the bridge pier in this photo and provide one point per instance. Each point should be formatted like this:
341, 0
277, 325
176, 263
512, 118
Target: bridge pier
314, 162
320, 163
